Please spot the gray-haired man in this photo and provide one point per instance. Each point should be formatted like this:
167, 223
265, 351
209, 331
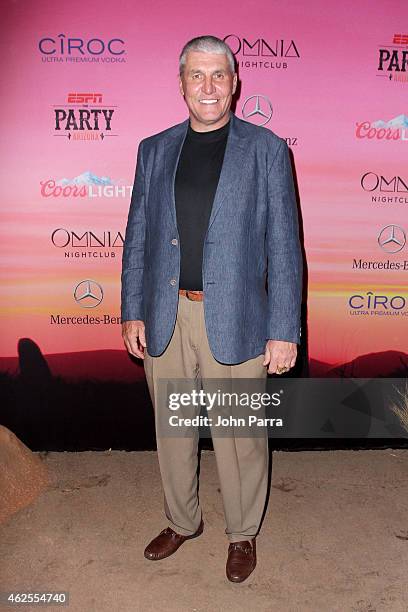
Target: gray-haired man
213, 215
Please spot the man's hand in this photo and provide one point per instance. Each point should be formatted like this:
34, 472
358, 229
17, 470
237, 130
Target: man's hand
280, 354
133, 334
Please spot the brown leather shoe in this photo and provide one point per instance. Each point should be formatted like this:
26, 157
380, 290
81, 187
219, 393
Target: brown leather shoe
241, 560
167, 542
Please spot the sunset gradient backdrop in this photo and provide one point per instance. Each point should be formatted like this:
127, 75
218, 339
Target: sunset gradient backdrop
318, 99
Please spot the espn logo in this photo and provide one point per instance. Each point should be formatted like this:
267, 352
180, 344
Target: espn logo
400, 39
84, 98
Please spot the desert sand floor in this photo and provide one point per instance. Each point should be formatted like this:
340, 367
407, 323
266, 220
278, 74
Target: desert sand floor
334, 538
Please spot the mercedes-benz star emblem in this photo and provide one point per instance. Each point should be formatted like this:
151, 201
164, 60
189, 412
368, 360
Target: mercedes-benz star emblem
392, 238
258, 109
88, 293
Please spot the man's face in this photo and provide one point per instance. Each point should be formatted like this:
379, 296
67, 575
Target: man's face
208, 86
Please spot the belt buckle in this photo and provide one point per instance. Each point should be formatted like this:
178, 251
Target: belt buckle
192, 299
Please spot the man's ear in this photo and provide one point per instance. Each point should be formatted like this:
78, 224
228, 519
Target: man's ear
181, 86
234, 82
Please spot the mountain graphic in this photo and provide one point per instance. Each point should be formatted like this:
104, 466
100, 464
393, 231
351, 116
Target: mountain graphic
114, 364
401, 121
101, 365
86, 178
319, 369
384, 364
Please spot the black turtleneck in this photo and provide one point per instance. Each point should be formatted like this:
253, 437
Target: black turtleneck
197, 176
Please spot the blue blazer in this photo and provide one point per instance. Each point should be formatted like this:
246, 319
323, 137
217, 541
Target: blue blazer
252, 235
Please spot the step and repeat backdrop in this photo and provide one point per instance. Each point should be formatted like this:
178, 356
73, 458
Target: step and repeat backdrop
83, 83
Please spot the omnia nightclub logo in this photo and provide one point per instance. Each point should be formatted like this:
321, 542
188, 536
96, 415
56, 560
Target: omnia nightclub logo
87, 244
259, 52
385, 189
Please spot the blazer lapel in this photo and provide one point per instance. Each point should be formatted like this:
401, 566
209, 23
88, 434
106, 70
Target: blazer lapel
231, 171
172, 149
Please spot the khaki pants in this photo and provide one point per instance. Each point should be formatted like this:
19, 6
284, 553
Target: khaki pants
242, 463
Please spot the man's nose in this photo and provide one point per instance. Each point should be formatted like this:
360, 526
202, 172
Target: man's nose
208, 86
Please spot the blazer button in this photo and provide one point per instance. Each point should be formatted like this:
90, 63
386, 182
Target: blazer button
174, 241
173, 281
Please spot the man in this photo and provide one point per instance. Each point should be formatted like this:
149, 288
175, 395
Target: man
212, 217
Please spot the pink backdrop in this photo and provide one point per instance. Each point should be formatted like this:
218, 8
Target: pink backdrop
345, 120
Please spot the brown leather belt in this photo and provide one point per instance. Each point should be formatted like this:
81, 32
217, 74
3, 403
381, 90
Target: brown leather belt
196, 296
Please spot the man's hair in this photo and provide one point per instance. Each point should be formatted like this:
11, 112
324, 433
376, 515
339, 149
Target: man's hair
206, 44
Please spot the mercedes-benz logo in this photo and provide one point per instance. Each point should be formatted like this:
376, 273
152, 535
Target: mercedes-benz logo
259, 110
392, 238
88, 294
